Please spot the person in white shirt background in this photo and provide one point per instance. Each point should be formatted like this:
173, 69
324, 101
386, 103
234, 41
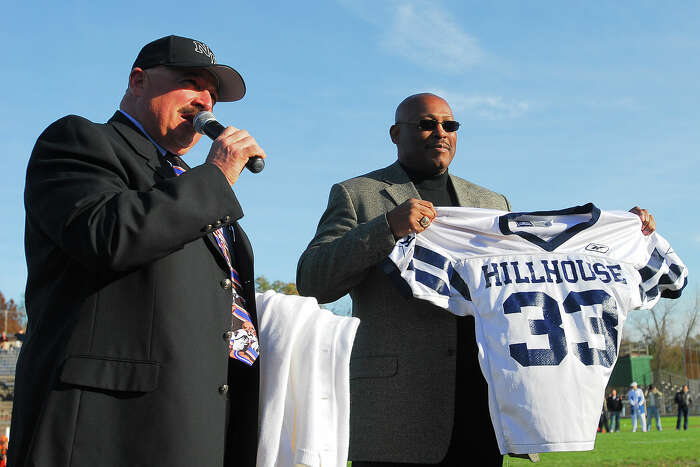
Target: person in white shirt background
636, 399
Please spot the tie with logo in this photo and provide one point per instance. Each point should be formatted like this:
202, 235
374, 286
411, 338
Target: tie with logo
243, 344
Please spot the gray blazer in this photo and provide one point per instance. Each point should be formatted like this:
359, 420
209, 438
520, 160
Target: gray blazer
402, 371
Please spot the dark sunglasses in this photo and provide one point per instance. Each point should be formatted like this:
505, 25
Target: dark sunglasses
430, 125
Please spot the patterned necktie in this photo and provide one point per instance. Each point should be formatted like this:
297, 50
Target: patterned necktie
243, 344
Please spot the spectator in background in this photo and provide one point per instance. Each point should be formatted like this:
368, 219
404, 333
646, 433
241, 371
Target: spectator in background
614, 404
603, 422
683, 400
5, 392
654, 401
20, 335
636, 399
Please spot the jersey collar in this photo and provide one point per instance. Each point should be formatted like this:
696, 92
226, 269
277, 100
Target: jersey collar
558, 240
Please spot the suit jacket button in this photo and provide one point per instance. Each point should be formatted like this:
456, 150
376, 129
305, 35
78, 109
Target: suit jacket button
227, 336
223, 389
226, 284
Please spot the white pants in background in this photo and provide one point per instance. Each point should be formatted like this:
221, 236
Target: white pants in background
642, 418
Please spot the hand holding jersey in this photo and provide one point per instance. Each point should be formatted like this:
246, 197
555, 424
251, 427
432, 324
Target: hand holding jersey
648, 222
550, 292
410, 217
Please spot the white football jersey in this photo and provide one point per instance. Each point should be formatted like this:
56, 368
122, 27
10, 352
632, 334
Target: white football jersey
550, 292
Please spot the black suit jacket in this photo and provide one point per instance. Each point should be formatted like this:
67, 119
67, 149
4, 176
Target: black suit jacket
125, 360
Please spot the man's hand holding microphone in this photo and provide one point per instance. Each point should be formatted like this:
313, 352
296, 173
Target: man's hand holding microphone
232, 149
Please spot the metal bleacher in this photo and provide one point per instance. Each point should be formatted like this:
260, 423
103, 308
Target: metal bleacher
8, 360
9, 351
670, 383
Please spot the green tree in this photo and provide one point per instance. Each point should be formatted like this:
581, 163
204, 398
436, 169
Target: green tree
12, 316
666, 331
288, 288
691, 322
342, 306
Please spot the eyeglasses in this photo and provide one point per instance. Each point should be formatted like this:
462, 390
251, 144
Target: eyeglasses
430, 125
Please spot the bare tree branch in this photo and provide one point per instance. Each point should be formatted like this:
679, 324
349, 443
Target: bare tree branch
690, 323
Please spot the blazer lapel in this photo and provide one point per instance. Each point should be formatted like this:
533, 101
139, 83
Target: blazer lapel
216, 250
145, 149
244, 265
465, 195
399, 188
141, 145
241, 250
473, 196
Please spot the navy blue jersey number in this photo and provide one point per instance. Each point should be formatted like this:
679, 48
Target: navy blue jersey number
551, 326
604, 325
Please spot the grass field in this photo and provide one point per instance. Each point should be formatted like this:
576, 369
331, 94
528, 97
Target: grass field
666, 448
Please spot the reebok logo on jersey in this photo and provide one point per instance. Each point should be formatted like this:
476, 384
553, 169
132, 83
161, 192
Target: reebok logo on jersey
597, 247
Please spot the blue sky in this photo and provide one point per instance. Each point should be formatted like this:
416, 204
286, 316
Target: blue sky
561, 103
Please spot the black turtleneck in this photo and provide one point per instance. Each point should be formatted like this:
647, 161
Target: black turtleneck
434, 188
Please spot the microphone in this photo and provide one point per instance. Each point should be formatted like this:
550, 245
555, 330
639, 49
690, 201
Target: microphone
206, 124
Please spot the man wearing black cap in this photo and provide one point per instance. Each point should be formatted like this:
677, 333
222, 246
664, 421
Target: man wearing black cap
138, 277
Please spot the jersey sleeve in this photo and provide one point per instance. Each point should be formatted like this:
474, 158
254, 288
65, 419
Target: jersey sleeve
662, 275
427, 273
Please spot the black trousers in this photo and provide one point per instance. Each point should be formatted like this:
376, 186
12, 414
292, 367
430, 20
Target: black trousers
603, 423
682, 411
473, 440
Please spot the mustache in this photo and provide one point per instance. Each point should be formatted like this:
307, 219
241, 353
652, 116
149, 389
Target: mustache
441, 143
189, 112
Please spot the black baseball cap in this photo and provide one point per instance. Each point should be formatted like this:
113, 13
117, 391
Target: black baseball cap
183, 52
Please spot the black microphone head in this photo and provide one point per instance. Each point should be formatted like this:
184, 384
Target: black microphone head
201, 119
256, 164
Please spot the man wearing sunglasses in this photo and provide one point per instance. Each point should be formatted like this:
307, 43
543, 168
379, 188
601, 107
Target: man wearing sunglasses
417, 393
406, 352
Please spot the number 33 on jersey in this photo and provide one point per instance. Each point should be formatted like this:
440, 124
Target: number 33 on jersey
550, 292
